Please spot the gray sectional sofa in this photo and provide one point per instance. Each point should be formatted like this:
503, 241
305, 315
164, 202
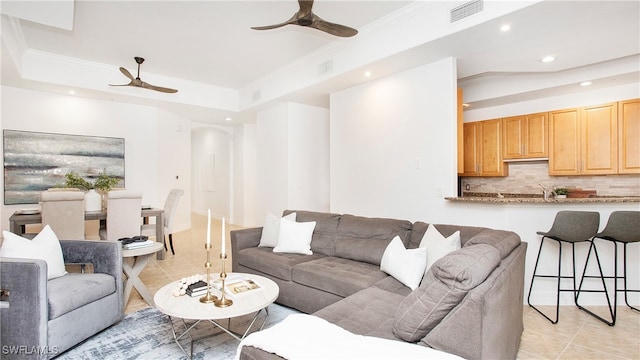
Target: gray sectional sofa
469, 303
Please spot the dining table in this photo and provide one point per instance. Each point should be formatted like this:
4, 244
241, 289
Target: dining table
19, 219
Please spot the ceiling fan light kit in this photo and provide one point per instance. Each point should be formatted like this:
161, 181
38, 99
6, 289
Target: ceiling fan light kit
137, 82
305, 17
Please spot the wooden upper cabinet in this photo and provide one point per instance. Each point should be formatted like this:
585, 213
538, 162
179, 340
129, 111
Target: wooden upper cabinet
471, 148
525, 136
629, 137
599, 139
564, 142
583, 141
482, 149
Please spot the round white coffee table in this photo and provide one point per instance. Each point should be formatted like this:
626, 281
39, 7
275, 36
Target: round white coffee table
185, 307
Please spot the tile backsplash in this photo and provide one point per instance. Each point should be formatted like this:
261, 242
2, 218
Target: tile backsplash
524, 178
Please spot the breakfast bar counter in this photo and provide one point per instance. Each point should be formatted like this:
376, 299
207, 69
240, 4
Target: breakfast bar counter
527, 199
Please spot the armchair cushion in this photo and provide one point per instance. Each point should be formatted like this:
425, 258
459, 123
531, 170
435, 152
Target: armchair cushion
69, 292
45, 246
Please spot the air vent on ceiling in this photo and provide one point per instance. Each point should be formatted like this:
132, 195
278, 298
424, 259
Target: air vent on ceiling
466, 9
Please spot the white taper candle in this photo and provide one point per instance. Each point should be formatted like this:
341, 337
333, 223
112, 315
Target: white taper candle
209, 227
223, 238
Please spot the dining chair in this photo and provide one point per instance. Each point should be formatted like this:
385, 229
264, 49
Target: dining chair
63, 211
123, 215
170, 206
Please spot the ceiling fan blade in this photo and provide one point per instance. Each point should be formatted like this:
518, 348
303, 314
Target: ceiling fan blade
292, 20
127, 73
157, 88
331, 28
129, 84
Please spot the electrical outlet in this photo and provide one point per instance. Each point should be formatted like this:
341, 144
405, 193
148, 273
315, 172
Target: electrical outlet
467, 187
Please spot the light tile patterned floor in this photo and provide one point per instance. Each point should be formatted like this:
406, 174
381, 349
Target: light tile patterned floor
576, 336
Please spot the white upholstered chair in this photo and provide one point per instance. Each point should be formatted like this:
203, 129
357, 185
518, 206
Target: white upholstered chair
124, 209
170, 206
63, 211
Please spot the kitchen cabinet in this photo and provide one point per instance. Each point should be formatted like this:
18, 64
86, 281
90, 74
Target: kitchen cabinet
629, 137
584, 141
482, 149
525, 137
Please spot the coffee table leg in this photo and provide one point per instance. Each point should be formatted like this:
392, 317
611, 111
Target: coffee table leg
246, 332
187, 331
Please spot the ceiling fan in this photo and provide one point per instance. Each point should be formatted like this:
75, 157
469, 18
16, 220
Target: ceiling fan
305, 17
139, 83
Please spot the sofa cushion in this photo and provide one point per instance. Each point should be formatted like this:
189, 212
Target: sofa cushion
72, 291
295, 237
44, 246
336, 275
271, 229
504, 241
368, 312
278, 265
323, 239
443, 287
391, 284
419, 228
437, 245
405, 265
365, 239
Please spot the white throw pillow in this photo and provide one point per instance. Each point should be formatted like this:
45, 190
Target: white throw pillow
45, 246
405, 265
437, 245
271, 229
295, 237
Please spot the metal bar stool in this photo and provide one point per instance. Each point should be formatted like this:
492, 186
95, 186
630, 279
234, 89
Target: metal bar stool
568, 227
622, 227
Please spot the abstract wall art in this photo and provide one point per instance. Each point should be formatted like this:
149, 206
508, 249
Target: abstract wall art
34, 161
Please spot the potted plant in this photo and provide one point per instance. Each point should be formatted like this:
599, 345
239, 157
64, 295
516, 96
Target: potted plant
94, 200
561, 192
104, 182
74, 180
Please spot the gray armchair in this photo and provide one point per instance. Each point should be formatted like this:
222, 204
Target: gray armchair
40, 319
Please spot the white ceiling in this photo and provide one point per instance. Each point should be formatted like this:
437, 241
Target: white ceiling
209, 44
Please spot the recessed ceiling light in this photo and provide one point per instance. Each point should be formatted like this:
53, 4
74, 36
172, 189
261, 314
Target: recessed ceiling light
367, 73
505, 27
585, 83
228, 118
71, 92
548, 59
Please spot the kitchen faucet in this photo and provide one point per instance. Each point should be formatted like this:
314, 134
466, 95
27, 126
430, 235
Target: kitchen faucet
546, 193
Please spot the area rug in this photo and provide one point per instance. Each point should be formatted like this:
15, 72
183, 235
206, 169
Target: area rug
146, 334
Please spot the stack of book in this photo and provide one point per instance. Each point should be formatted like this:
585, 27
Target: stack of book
197, 289
138, 244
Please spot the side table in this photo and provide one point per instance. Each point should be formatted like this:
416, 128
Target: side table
133, 263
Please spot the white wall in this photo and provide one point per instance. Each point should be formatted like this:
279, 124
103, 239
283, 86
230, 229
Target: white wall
393, 151
292, 159
147, 161
174, 167
244, 176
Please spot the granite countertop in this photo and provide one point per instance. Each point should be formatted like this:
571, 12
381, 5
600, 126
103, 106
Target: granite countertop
498, 198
